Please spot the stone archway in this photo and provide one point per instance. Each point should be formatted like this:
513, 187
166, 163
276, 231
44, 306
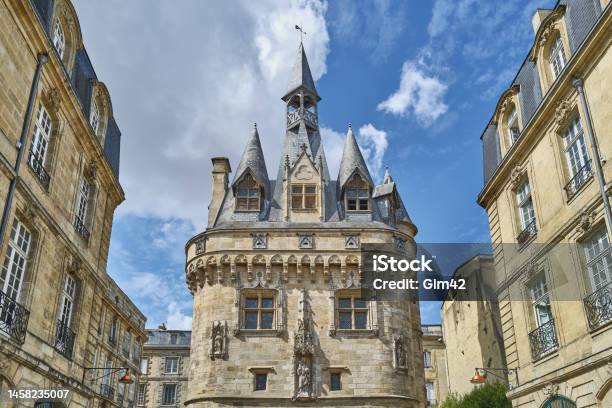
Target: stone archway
559, 401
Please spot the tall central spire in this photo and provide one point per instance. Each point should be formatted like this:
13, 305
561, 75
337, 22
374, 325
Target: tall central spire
301, 77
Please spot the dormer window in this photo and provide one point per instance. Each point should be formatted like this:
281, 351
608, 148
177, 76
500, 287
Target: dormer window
248, 194
512, 127
357, 194
557, 57
59, 39
303, 196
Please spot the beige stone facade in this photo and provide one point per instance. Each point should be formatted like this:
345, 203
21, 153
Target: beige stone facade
472, 327
57, 303
547, 219
278, 314
164, 369
434, 363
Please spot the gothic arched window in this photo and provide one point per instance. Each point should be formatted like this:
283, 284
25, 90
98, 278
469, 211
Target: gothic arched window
357, 194
248, 194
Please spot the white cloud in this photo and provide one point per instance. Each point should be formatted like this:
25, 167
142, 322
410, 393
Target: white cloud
333, 143
373, 143
176, 319
419, 94
192, 90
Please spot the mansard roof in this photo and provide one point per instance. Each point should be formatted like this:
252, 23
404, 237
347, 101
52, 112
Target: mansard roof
301, 76
253, 161
352, 161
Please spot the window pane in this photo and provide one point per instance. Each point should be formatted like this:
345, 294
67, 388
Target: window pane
363, 205
363, 193
344, 303
351, 193
266, 320
361, 320
243, 192
267, 302
296, 201
335, 383
311, 202
352, 204
344, 320
250, 320
260, 382
311, 189
241, 203
250, 302
358, 302
296, 189
253, 193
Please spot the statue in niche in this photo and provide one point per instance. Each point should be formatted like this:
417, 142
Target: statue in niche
399, 351
218, 339
303, 373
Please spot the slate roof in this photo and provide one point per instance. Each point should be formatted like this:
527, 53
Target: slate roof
301, 76
352, 160
299, 140
253, 160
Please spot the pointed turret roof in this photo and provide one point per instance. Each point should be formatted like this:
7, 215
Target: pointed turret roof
253, 160
352, 160
301, 76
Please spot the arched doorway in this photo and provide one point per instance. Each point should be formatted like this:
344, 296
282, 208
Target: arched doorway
559, 402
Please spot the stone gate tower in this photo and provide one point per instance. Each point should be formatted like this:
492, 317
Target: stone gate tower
278, 316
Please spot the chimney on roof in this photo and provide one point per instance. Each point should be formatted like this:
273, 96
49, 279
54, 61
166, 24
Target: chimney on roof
220, 176
162, 326
538, 17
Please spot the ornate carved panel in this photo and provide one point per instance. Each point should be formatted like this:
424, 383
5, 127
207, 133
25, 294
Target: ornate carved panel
305, 241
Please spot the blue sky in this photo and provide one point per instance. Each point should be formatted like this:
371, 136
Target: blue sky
418, 80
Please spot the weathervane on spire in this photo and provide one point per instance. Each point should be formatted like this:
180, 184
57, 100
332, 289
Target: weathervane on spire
302, 32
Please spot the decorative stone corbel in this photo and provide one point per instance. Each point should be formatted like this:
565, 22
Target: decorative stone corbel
585, 222
91, 170
562, 111
551, 389
516, 176
52, 100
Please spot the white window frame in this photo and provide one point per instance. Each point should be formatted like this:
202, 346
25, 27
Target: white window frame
525, 204
430, 391
557, 57
68, 298
140, 397
59, 38
94, 116
144, 366
512, 130
107, 372
174, 387
112, 335
83, 201
576, 153
598, 257
126, 343
427, 359
174, 368
41, 136
540, 300
15, 260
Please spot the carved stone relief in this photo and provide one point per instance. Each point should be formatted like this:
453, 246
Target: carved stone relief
218, 340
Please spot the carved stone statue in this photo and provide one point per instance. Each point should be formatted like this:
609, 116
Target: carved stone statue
303, 373
399, 351
218, 339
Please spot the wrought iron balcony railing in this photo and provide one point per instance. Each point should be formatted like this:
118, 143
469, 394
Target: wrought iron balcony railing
38, 168
80, 228
107, 391
543, 340
527, 233
598, 306
13, 318
64, 339
309, 117
579, 179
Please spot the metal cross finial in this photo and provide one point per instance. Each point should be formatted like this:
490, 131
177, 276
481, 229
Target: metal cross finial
304, 147
302, 32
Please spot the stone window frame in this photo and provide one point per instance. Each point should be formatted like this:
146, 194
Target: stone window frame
100, 98
589, 225
357, 177
508, 102
66, 16
372, 324
519, 175
278, 325
249, 183
552, 27
162, 387
141, 394
304, 195
265, 371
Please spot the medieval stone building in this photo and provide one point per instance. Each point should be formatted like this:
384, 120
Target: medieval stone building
278, 315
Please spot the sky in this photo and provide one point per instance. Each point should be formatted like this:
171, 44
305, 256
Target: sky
418, 80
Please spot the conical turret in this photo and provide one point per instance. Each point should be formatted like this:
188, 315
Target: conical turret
253, 161
352, 161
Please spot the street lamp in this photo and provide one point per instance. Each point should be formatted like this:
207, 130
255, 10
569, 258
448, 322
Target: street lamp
124, 379
480, 376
